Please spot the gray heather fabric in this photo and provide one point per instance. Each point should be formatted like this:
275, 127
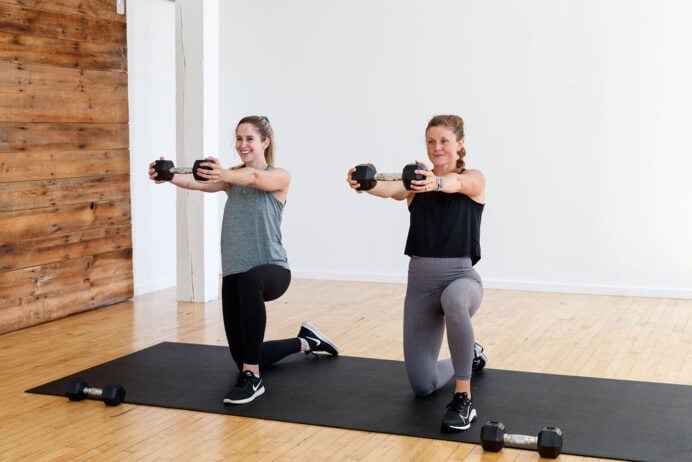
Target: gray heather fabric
251, 231
441, 292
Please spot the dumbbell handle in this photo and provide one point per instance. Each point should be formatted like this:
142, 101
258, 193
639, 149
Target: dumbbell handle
181, 170
91, 391
388, 176
391, 176
520, 440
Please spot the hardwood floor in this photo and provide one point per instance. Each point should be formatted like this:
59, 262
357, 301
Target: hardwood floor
610, 337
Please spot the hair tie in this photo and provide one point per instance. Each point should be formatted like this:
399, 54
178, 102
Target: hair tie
266, 119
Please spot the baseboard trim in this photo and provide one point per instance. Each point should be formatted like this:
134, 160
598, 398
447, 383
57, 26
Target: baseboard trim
533, 286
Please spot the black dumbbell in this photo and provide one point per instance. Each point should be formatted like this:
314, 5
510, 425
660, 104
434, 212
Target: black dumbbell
548, 442
165, 169
78, 390
367, 175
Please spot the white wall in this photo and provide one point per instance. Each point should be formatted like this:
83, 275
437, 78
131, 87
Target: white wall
578, 113
151, 86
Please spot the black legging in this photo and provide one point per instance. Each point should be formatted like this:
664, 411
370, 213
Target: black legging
245, 315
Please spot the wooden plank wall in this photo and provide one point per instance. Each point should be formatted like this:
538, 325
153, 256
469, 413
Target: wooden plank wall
65, 223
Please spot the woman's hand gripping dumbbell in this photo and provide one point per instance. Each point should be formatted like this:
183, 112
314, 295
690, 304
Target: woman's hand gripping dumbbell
163, 170
367, 177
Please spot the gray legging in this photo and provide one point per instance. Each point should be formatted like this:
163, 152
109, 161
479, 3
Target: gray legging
440, 292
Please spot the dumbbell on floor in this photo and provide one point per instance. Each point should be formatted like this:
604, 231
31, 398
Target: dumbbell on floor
548, 442
165, 169
367, 176
78, 390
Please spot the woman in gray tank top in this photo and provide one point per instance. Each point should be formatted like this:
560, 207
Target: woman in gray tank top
443, 290
254, 263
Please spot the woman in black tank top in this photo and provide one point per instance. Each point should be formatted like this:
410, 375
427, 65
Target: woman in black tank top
443, 290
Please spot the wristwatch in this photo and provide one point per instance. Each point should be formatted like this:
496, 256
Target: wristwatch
440, 183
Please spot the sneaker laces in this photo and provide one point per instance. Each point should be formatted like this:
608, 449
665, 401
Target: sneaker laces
458, 402
243, 378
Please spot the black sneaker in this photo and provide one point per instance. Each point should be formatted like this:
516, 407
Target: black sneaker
316, 340
460, 413
248, 387
479, 358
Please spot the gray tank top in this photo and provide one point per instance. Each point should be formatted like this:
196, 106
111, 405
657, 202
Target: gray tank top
251, 231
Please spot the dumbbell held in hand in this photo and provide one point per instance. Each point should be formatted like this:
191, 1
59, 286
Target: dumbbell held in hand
548, 442
78, 390
366, 175
165, 169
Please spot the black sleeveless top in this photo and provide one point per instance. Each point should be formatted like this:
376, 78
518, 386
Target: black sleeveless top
444, 226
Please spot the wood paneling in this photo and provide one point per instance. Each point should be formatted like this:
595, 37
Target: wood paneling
46, 249
44, 23
51, 193
48, 164
31, 93
65, 224
62, 107
60, 136
37, 80
47, 292
40, 50
32, 224
103, 9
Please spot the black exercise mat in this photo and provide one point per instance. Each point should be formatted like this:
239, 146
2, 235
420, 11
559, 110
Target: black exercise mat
639, 421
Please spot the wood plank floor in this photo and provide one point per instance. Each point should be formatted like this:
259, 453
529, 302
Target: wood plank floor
630, 338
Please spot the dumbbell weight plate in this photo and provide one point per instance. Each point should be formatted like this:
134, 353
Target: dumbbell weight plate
197, 166
492, 436
163, 169
365, 176
113, 395
75, 390
550, 442
409, 174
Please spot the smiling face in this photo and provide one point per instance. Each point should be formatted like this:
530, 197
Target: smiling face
443, 147
250, 145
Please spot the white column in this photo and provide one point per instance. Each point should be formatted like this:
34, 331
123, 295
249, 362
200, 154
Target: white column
197, 225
